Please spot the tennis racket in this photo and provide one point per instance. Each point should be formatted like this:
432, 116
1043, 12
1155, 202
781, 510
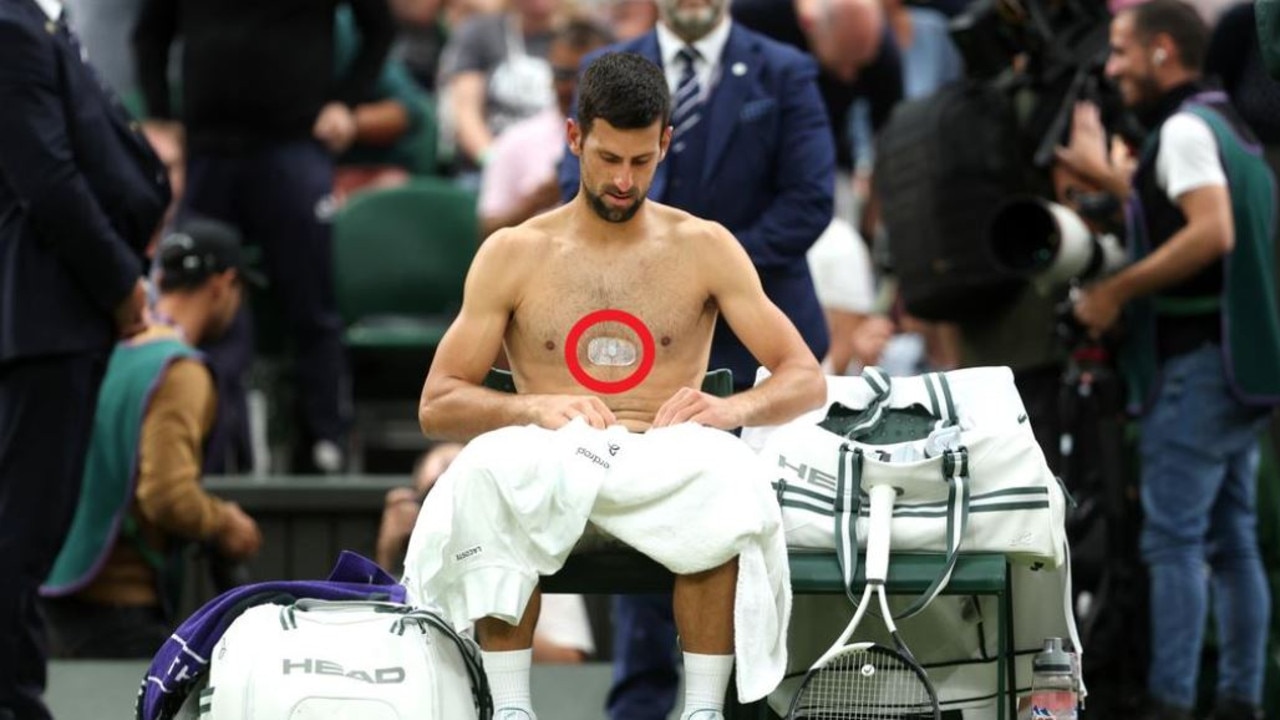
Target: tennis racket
868, 680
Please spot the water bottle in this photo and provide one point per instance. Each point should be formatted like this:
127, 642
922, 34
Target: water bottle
1054, 692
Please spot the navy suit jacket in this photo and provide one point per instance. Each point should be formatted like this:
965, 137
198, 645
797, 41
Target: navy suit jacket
81, 193
768, 176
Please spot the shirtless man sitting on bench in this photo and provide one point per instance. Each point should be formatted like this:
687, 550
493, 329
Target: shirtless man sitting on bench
606, 308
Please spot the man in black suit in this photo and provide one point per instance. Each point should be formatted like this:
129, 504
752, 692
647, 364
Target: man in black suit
80, 194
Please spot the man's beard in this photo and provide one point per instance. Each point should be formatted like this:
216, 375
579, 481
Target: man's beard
612, 214
694, 24
1148, 94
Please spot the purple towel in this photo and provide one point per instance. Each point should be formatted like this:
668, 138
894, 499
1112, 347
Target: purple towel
183, 660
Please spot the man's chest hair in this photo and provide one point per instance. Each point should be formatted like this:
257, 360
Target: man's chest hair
668, 300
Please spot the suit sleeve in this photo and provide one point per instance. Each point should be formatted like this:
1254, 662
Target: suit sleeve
569, 175
377, 30
804, 177
152, 36
39, 167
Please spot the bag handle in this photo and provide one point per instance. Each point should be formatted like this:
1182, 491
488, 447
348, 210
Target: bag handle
955, 470
848, 506
318, 604
941, 402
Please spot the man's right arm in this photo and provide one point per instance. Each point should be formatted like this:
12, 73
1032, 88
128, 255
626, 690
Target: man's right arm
152, 35
38, 165
455, 405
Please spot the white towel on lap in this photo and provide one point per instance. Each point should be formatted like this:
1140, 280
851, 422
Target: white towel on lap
514, 503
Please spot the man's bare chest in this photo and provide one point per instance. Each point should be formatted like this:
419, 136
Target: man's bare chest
662, 295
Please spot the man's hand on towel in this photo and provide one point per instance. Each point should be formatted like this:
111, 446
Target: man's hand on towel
689, 405
556, 411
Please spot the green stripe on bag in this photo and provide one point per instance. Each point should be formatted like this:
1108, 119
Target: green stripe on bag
951, 405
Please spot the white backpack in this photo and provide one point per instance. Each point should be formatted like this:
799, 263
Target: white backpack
323, 660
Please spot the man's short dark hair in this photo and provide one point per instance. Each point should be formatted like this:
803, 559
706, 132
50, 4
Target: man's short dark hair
624, 89
1179, 21
583, 34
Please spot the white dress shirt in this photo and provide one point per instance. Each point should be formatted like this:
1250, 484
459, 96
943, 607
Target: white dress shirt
52, 8
707, 67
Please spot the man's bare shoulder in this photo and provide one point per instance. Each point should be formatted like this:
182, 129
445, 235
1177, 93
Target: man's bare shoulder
677, 223
710, 239
513, 247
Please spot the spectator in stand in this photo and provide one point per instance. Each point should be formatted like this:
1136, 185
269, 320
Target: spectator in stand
520, 179
494, 73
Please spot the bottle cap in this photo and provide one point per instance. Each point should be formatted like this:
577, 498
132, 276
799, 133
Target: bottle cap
1052, 658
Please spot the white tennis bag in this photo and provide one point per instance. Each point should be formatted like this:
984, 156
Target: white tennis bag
323, 660
973, 480
957, 444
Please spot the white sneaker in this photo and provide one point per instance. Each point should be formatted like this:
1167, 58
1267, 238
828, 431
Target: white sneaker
327, 457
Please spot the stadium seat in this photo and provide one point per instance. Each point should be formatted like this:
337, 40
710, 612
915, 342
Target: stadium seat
401, 257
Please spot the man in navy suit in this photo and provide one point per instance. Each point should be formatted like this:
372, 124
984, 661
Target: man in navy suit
81, 193
752, 149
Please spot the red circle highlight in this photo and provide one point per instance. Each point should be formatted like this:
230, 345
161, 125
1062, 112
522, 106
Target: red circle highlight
648, 351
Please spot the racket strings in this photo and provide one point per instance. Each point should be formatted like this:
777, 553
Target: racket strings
865, 683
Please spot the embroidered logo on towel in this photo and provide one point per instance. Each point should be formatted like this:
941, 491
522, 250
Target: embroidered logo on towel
469, 552
593, 457
613, 449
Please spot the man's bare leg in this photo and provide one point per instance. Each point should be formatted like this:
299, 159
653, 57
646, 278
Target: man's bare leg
508, 658
703, 606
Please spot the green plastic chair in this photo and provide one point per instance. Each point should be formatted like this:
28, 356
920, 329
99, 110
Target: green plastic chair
401, 258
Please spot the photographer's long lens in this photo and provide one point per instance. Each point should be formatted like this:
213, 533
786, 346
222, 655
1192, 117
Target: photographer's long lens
1048, 243
1024, 237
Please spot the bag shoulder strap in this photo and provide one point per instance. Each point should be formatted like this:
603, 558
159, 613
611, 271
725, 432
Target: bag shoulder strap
955, 469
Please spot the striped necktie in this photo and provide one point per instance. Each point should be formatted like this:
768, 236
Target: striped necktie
687, 103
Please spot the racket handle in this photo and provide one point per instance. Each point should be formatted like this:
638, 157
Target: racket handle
882, 499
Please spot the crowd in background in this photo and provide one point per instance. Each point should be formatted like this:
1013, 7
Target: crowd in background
371, 95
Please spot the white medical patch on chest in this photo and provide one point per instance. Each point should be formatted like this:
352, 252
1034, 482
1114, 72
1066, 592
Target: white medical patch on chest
611, 352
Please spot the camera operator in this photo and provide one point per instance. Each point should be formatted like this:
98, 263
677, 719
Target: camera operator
1201, 348
114, 585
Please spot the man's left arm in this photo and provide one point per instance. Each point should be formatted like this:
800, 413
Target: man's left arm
804, 179
170, 453
795, 384
377, 31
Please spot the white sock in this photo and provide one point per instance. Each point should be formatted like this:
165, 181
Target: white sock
706, 677
508, 674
